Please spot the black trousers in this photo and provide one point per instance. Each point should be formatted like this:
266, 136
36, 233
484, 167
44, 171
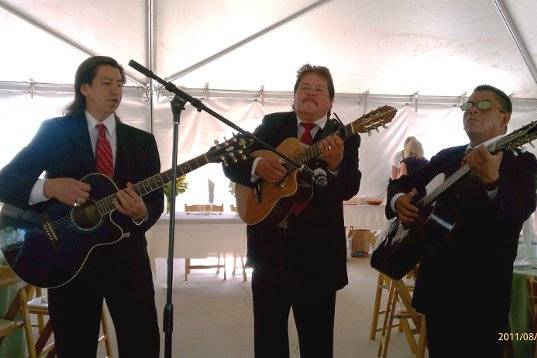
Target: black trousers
275, 292
121, 275
464, 334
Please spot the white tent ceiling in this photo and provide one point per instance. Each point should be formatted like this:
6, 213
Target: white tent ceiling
383, 46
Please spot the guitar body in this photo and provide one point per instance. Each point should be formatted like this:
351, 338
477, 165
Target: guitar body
276, 199
48, 250
402, 247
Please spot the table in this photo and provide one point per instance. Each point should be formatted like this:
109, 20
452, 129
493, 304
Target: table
198, 236
519, 315
367, 217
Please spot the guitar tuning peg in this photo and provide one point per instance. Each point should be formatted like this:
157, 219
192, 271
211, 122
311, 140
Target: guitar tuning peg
531, 143
235, 160
377, 130
225, 140
240, 151
384, 126
369, 133
216, 142
225, 163
223, 158
243, 157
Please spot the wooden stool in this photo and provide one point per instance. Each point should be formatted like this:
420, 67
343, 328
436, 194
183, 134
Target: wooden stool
383, 283
17, 315
39, 307
411, 323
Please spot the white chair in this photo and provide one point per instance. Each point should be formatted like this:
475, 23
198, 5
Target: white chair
205, 208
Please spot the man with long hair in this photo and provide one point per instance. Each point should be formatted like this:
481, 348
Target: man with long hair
88, 139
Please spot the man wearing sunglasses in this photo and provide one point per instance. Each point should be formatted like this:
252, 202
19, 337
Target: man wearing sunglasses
464, 282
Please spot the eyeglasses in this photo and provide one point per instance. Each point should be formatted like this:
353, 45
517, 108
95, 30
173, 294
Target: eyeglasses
483, 105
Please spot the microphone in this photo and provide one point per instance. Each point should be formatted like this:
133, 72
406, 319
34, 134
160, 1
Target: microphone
143, 70
319, 178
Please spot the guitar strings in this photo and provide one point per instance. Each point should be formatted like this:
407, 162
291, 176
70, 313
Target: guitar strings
163, 178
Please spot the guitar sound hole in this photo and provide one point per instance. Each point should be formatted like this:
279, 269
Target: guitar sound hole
86, 217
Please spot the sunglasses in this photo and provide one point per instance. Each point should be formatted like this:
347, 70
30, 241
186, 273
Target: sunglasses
483, 105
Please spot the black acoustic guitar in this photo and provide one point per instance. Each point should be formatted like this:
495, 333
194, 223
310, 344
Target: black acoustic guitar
402, 247
49, 249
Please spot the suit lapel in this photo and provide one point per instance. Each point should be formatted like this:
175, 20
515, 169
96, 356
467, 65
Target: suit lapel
289, 128
121, 155
82, 144
328, 129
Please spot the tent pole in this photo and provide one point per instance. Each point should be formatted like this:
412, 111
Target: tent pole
513, 30
246, 40
150, 56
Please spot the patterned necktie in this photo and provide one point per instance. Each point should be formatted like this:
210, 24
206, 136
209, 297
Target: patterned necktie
306, 138
103, 153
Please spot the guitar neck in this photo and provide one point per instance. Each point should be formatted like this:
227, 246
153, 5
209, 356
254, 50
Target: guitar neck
493, 148
146, 186
314, 151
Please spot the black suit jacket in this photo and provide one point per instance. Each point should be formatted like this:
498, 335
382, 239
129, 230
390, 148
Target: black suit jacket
62, 148
314, 244
472, 271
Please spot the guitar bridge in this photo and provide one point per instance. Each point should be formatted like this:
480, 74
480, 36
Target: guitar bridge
50, 232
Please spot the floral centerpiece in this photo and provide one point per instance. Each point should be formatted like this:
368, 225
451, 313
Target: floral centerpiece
180, 187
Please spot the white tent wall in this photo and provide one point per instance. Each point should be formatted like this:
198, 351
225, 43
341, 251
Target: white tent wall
441, 48
437, 126
23, 111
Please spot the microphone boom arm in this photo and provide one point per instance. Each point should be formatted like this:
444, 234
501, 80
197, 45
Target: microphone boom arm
202, 107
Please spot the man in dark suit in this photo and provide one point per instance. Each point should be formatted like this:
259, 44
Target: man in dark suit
464, 285
301, 262
90, 138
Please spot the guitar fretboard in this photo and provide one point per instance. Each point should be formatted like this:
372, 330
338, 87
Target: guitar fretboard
512, 141
146, 186
315, 150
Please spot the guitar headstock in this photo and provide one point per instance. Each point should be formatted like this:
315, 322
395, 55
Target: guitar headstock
372, 120
515, 139
232, 150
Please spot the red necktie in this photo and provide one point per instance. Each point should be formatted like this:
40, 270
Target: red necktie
306, 138
103, 153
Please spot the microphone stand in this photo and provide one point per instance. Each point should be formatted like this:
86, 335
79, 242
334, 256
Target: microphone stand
177, 105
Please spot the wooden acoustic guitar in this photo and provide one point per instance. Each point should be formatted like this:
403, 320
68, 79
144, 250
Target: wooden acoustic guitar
402, 246
49, 249
270, 203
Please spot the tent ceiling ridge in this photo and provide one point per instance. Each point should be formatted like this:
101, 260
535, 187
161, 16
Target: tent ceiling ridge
33, 88
358, 98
